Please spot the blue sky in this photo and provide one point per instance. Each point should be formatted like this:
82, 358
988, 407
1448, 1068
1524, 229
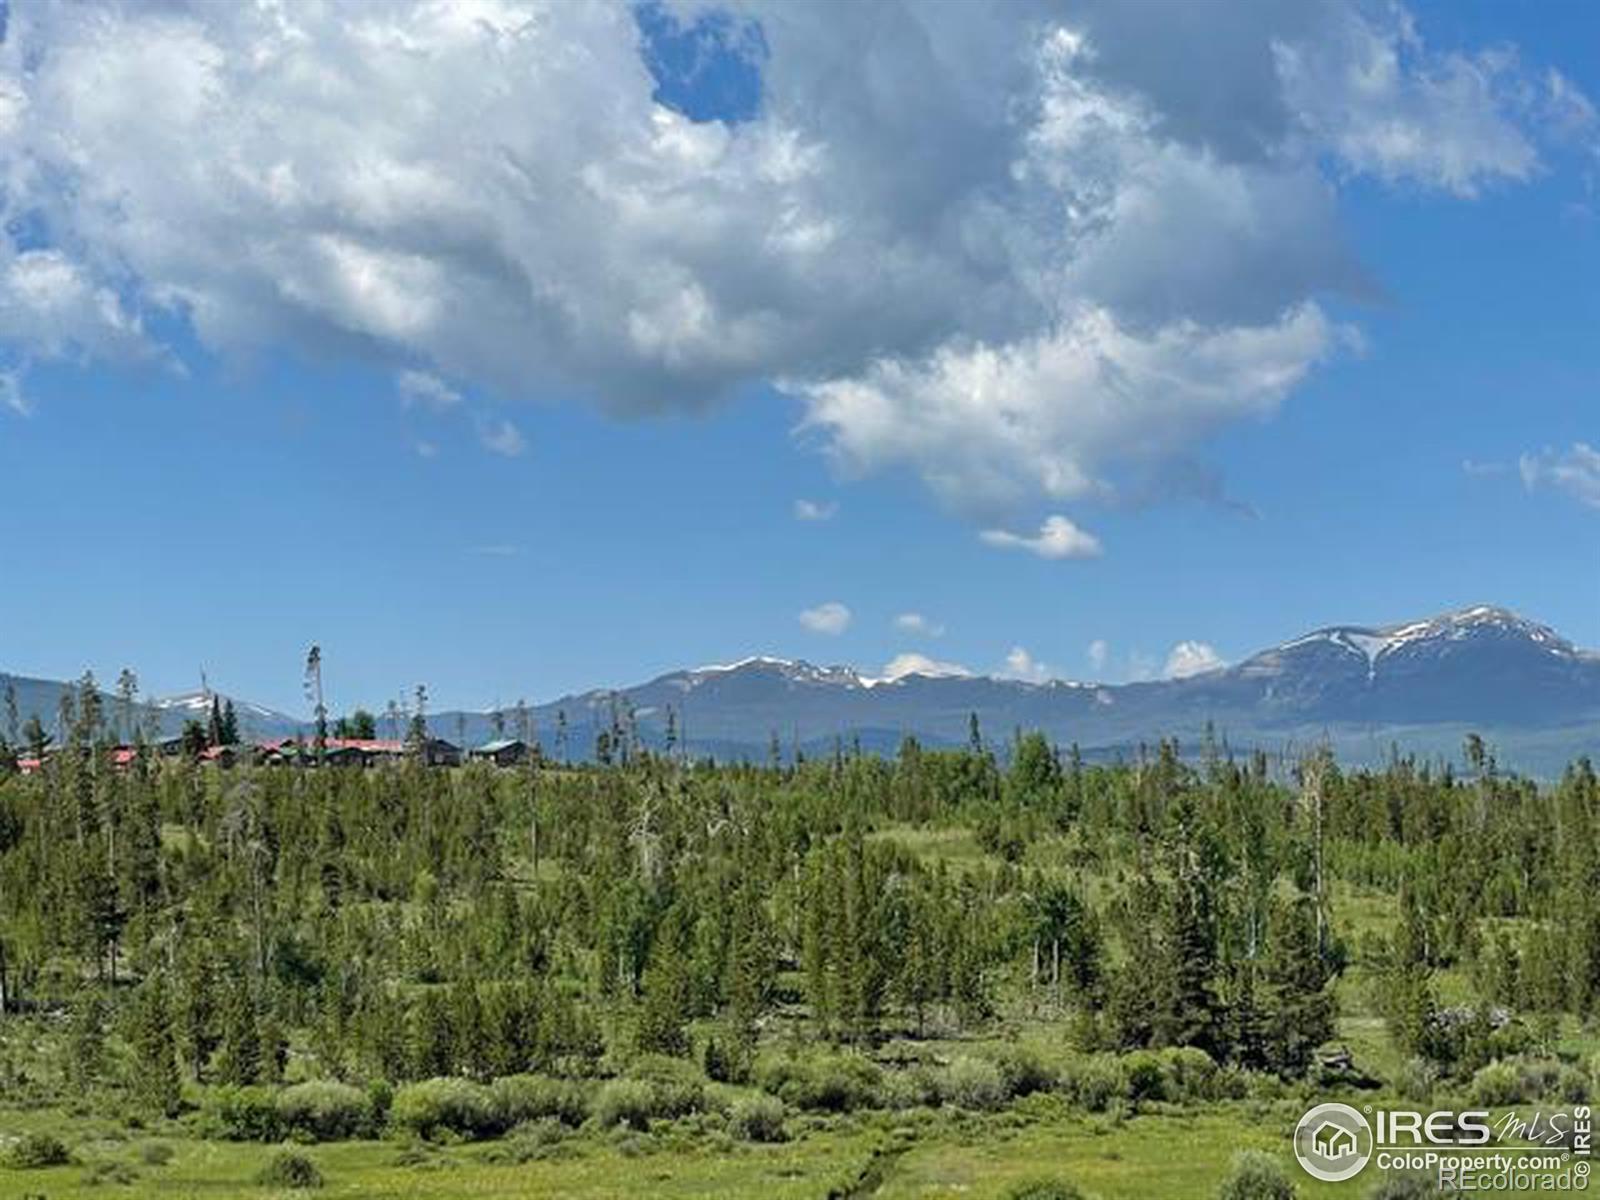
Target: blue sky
253, 405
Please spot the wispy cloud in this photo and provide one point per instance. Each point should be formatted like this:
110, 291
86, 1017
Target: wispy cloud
1058, 537
500, 436
918, 625
1098, 654
11, 394
815, 510
425, 390
1575, 471
831, 618
495, 550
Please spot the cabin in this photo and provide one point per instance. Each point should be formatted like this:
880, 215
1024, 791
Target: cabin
436, 752
358, 752
170, 746
341, 756
222, 756
502, 752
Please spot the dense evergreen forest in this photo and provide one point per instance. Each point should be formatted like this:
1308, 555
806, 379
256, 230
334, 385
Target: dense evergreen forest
407, 946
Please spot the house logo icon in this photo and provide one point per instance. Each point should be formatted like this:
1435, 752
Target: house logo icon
1333, 1142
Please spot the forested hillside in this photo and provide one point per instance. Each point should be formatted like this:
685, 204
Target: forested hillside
745, 952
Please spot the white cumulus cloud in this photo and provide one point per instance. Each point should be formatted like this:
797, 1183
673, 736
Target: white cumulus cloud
902, 665
1020, 253
1021, 665
1191, 658
1058, 537
832, 618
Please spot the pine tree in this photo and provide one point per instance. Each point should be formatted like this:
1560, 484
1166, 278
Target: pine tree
240, 1050
1187, 1008
194, 1008
154, 1082
273, 1046
13, 728
664, 1015
1299, 1008
428, 1036
86, 1037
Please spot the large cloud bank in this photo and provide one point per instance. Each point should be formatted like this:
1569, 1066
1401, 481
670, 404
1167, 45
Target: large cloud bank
1015, 248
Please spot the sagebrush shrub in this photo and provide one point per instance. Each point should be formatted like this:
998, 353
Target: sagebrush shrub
758, 1119
290, 1169
436, 1105
325, 1110
1256, 1175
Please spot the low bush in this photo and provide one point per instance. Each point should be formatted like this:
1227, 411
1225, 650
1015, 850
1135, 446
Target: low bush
110, 1171
1024, 1072
380, 1098
1092, 1081
1145, 1076
758, 1119
457, 1106
1255, 1175
1416, 1079
828, 1082
155, 1154
35, 1151
1512, 1081
628, 1102
1574, 1086
1191, 1074
290, 1169
676, 1087
913, 1087
324, 1110
243, 1114
519, 1098
974, 1083
536, 1140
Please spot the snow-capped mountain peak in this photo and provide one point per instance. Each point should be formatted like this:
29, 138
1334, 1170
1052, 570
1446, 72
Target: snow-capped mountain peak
791, 670
1481, 623
199, 704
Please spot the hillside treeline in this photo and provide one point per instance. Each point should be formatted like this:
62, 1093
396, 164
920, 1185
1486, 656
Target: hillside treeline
187, 926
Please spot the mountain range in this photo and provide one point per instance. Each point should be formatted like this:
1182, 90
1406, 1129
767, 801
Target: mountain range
1418, 686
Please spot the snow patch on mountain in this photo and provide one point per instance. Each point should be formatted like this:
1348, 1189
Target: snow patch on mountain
1462, 625
200, 703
